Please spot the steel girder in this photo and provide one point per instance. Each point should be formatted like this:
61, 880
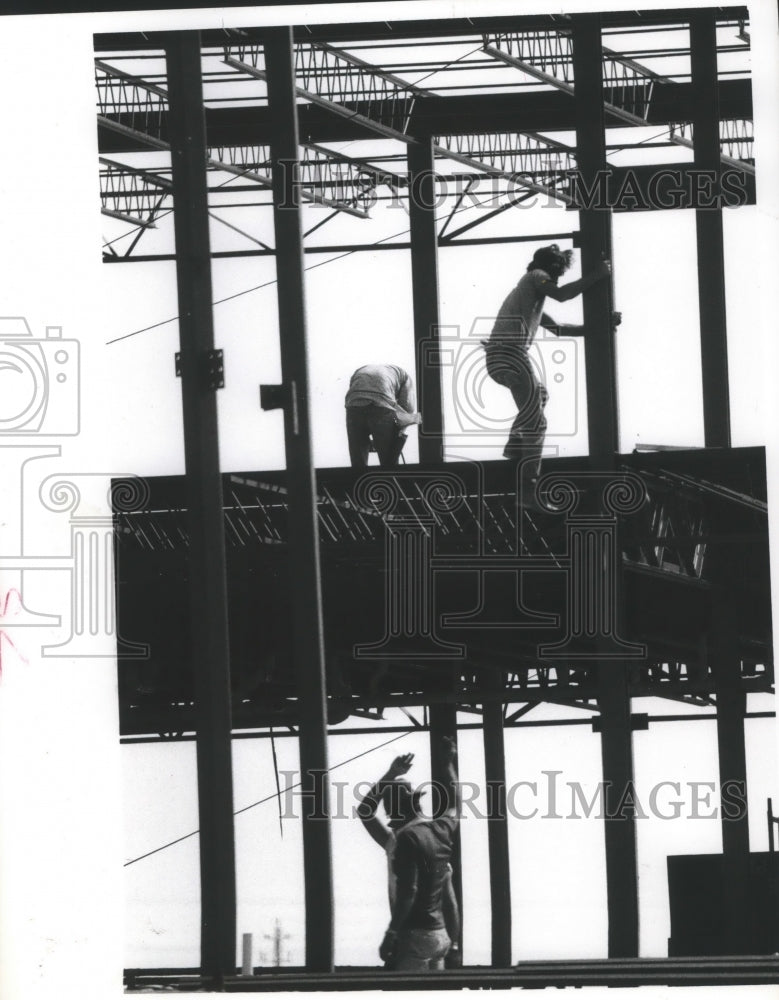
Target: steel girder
736, 136
135, 107
131, 195
547, 56
351, 88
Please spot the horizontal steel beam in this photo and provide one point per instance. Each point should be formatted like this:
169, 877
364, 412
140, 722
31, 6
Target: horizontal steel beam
547, 110
622, 114
424, 728
131, 220
351, 248
378, 128
705, 971
387, 131
390, 31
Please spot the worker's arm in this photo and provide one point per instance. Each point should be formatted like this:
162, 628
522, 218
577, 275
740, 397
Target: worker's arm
406, 396
572, 329
369, 805
562, 293
453, 793
558, 329
407, 401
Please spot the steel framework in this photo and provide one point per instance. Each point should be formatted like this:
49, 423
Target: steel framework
276, 106
628, 87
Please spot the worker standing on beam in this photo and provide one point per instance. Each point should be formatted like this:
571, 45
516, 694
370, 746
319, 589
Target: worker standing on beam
508, 361
424, 930
380, 404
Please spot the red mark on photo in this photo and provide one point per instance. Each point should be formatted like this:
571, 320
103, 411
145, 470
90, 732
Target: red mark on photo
11, 608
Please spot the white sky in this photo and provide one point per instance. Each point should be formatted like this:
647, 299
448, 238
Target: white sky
64, 783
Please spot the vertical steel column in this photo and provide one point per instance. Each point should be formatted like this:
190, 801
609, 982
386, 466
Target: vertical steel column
595, 237
603, 426
620, 824
731, 747
308, 638
443, 722
708, 223
210, 655
497, 834
424, 285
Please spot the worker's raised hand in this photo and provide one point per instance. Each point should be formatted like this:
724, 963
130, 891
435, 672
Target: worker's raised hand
602, 270
400, 765
616, 319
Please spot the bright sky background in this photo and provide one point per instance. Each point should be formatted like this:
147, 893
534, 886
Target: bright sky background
75, 805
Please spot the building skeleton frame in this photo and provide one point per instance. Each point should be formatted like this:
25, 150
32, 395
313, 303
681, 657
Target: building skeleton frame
530, 79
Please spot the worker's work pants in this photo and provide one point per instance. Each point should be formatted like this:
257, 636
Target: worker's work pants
364, 423
420, 950
510, 366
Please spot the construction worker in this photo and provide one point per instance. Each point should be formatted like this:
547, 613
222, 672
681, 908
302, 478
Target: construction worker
380, 403
425, 927
512, 335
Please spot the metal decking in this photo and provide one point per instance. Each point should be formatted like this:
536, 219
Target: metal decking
489, 580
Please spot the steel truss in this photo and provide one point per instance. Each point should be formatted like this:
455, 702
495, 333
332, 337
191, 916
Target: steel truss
671, 531
132, 195
672, 540
521, 156
736, 136
382, 102
342, 78
350, 185
520, 691
136, 108
673, 552
628, 86
131, 107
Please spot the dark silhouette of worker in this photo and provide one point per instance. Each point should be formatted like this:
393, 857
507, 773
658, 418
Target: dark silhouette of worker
512, 335
380, 403
425, 927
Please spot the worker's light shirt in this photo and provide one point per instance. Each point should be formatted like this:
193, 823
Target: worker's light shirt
519, 316
387, 386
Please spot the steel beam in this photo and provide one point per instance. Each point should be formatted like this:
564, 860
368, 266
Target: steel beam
638, 94
443, 723
613, 693
308, 638
548, 111
710, 240
595, 236
406, 135
381, 730
209, 651
654, 972
731, 748
424, 288
148, 101
350, 248
497, 834
620, 827
390, 31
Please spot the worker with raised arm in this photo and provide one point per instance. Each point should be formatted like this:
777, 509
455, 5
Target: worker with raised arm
425, 925
513, 332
